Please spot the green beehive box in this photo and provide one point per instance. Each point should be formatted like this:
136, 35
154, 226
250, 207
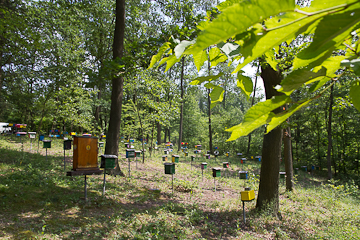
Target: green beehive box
225, 164
130, 153
243, 160
175, 158
47, 143
192, 158
169, 168
108, 161
101, 144
296, 170
216, 172
204, 165
186, 153
243, 174
67, 144
282, 175
137, 153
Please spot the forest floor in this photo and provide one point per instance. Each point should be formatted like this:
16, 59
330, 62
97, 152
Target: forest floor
38, 201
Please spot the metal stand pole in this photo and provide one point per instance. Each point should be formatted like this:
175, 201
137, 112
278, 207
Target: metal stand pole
38, 146
104, 183
172, 183
244, 211
129, 167
46, 154
202, 174
85, 190
30, 144
215, 184
136, 162
64, 159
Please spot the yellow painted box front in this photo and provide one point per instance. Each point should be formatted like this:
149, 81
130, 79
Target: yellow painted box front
247, 195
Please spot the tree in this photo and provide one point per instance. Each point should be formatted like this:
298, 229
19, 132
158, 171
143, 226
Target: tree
333, 24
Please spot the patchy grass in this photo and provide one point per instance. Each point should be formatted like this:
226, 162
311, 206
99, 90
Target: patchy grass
38, 201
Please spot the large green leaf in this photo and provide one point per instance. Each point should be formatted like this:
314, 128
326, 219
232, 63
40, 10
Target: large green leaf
257, 116
216, 95
237, 18
199, 59
277, 119
355, 94
216, 56
262, 41
297, 78
353, 64
171, 60
329, 34
156, 58
200, 80
245, 84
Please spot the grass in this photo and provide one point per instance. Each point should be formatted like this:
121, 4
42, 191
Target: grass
38, 201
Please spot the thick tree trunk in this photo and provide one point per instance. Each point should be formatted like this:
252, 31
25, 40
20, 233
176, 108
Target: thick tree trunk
328, 157
268, 196
112, 141
182, 102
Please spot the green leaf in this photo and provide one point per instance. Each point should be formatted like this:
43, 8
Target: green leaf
171, 60
297, 78
245, 84
270, 59
257, 116
329, 34
355, 94
216, 95
216, 56
237, 18
229, 49
200, 80
199, 59
277, 119
179, 49
158, 56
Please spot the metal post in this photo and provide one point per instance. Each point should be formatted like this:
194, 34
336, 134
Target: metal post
136, 162
129, 167
64, 159
46, 154
104, 183
202, 174
30, 145
85, 190
172, 183
244, 211
215, 184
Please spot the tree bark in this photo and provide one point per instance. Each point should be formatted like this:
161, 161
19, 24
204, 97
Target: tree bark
288, 160
209, 112
112, 143
182, 102
328, 157
268, 196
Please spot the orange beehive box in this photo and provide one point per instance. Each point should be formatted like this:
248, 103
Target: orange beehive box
85, 153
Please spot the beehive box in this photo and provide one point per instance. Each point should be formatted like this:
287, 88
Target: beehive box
247, 195
225, 164
216, 172
282, 174
85, 153
47, 143
67, 144
108, 161
243, 174
169, 168
204, 165
130, 153
164, 158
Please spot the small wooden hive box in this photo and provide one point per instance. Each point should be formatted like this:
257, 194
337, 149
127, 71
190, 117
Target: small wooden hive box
216, 172
32, 134
282, 174
227, 154
258, 158
47, 143
239, 154
204, 165
175, 158
164, 158
67, 144
85, 153
137, 153
169, 168
192, 158
243, 174
207, 156
186, 153
247, 195
243, 160
101, 144
108, 161
225, 164
130, 153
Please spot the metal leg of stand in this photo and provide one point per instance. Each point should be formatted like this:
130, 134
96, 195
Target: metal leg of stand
104, 183
64, 159
215, 184
85, 188
244, 211
129, 167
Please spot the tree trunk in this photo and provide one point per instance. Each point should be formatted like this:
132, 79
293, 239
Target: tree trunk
288, 160
209, 112
328, 157
158, 136
182, 102
268, 196
112, 143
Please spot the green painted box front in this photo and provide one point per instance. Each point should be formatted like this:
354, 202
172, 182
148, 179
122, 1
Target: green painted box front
282, 175
169, 168
216, 172
243, 174
204, 165
225, 165
47, 143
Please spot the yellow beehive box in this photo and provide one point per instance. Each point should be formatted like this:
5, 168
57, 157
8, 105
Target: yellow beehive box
247, 195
